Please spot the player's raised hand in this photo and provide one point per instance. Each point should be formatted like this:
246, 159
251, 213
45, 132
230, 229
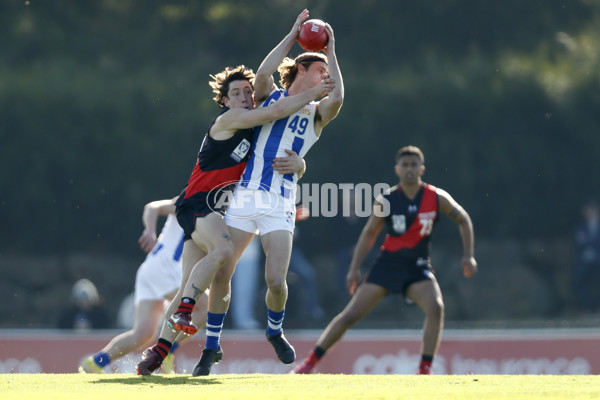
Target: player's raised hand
147, 240
303, 16
330, 49
469, 266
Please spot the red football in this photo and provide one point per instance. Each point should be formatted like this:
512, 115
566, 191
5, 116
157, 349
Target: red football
313, 35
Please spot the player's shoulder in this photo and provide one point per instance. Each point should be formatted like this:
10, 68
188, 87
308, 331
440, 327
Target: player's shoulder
226, 123
435, 190
275, 94
443, 196
429, 186
390, 190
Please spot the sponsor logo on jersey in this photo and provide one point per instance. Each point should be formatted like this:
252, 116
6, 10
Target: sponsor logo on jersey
399, 223
240, 151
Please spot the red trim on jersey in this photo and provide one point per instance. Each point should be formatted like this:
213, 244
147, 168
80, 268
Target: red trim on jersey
409, 239
205, 181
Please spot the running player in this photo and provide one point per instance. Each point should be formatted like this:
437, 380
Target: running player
403, 265
221, 160
164, 260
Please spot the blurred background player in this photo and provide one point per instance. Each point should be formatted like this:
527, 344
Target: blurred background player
586, 272
207, 244
156, 281
86, 310
297, 133
409, 210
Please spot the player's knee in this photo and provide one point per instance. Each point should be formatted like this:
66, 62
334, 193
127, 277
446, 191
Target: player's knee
435, 309
223, 254
222, 277
276, 284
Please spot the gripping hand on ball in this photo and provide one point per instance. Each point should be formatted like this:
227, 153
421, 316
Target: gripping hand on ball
303, 16
330, 49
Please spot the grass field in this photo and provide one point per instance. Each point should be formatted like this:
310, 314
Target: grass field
311, 387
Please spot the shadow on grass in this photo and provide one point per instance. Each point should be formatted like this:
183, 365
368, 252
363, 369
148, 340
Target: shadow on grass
160, 380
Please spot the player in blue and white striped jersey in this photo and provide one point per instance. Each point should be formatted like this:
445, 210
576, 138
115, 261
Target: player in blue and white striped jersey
272, 213
156, 282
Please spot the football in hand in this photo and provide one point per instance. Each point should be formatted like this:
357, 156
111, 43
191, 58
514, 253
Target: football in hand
313, 35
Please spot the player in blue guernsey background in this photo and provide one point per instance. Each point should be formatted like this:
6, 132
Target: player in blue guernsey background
409, 211
272, 140
164, 261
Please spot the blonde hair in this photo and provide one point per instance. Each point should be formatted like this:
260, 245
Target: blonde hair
220, 82
288, 69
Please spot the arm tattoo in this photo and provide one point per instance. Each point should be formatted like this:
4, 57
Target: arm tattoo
227, 237
455, 214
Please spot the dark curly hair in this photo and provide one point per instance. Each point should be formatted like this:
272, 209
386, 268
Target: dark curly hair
220, 82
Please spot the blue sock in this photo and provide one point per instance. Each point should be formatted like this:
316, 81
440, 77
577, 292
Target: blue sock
102, 359
275, 322
214, 326
174, 347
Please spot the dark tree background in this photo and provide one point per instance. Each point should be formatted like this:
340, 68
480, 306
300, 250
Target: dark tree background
103, 106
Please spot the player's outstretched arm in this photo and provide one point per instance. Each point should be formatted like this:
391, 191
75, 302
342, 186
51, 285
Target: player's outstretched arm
330, 106
263, 81
453, 210
241, 118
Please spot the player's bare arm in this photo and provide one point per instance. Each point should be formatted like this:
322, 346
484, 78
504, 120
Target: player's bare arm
263, 81
366, 240
455, 212
240, 118
330, 106
150, 215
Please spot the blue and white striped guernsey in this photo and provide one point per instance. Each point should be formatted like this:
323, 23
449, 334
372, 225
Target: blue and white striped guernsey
296, 132
170, 242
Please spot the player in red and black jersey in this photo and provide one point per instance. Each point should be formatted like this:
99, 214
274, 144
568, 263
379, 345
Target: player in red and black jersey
208, 246
409, 211
220, 163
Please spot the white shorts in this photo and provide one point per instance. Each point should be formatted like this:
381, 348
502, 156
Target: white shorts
158, 276
258, 210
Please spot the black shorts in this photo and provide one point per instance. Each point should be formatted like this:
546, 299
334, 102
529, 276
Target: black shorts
197, 206
397, 274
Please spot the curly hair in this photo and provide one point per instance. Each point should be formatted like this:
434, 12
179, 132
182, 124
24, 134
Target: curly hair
289, 68
220, 82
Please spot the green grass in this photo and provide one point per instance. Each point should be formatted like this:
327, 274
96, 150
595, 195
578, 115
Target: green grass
305, 387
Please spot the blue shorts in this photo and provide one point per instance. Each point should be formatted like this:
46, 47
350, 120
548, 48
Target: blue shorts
397, 274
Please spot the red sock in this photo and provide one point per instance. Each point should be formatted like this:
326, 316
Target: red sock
185, 306
312, 358
425, 368
162, 348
